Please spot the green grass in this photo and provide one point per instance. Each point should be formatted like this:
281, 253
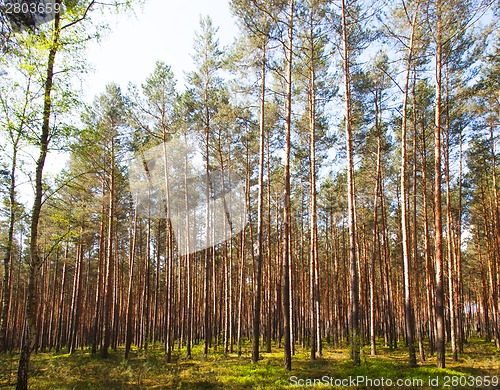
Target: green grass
148, 370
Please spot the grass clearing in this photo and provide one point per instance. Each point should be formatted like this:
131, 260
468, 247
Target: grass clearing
148, 370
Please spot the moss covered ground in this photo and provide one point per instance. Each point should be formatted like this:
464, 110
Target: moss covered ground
148, 370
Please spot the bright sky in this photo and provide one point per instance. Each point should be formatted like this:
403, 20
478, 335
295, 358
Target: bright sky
160, 30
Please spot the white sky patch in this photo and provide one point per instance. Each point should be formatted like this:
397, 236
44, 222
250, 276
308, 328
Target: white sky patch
162, 30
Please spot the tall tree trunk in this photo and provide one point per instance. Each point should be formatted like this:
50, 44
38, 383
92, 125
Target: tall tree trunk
458, 257
271, 313
190, 292
169, 278
206, 284
128, 310
438, 223
287, 255
496, 233
449, 227
169, 256
110, 267
260, 210
8, 247
409, 315
75, 298
147, 281
314, 261
416, 260
354, 282
61, 302
100, 274
34, 258
427, 250
242, 251
376, 192
53, 307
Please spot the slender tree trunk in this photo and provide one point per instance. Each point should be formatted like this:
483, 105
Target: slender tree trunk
242, 252
449, 228
287, 255
438, 224
206, 284
427, 251
354, 282
409, 315
496, 233
416, 259
53, 307
7, 286
128, 322
147, 284
34, 258
169, 278
110, 268
61, 302
8, 248
260, 210
314, 261
169, 257
75, 298
373, 349
189, 307
230, 287
270, 311
458, 258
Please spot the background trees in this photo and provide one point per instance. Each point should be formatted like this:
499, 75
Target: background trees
313, 266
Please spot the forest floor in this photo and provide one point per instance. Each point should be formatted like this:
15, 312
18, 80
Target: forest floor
147, 370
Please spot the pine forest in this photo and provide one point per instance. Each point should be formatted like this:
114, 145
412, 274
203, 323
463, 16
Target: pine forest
316, 204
